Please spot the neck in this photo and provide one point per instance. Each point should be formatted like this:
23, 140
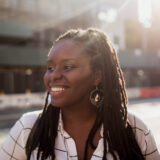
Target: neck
79, 115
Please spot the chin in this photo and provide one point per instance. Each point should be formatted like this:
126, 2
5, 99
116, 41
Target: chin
56, 104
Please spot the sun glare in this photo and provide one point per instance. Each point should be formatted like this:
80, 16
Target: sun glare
145, 12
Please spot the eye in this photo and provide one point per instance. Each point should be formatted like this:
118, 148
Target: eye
68, 67
50, 68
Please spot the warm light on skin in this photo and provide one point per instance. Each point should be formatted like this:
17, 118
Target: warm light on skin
145, 12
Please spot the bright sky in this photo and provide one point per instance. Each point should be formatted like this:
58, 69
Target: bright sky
145, 12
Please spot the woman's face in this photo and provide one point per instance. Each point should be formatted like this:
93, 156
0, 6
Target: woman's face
68, 78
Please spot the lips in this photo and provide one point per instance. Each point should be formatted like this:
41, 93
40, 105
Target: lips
57, 90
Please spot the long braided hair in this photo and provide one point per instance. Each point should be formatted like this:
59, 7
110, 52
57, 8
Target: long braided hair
117, 132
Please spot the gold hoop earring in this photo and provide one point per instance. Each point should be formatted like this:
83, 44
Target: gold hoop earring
97, 97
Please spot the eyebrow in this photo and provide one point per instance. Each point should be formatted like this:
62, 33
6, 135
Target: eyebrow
71, 59
64, 60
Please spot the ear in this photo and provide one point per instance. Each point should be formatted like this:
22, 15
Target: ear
97, 77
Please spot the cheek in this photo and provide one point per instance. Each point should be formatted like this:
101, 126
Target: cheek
46, 78
81, 79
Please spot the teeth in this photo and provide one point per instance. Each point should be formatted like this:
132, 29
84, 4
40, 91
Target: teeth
56, 89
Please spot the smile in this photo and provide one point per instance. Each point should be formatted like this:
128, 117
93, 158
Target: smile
57, 89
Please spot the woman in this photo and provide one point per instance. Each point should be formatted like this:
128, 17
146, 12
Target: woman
87, 117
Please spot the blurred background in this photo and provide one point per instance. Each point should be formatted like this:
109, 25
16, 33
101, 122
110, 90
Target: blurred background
29, 27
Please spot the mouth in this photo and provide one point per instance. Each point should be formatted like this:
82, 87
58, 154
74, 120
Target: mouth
56, 91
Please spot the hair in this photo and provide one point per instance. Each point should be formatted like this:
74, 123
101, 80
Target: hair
118, 135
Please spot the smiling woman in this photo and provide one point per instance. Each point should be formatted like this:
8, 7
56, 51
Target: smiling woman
68, 72
87, 117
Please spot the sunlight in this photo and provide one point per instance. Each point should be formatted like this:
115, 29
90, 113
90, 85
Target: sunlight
109, 16
145, 12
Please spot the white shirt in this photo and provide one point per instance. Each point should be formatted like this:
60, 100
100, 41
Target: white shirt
65, 149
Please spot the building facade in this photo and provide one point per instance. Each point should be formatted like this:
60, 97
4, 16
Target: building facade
28, 29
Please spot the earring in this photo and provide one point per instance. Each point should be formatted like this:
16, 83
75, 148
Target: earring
97, 97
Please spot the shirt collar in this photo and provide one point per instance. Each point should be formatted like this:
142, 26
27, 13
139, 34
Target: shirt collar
61, 128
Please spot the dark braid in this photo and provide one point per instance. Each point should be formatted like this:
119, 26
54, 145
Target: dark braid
91, 135
43, 133
117, 134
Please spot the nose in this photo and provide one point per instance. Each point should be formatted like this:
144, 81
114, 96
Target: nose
55, 75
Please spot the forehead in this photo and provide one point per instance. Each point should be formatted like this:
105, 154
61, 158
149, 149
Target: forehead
66, 49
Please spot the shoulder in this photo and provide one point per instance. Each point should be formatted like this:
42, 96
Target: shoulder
24, 125
137, 124
14, 145
144, 137
28, 119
